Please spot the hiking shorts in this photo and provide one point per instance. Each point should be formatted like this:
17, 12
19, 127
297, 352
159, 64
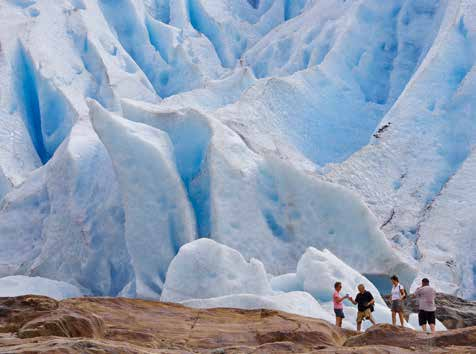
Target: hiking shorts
339, 313
425, 317
397, 306
363, 315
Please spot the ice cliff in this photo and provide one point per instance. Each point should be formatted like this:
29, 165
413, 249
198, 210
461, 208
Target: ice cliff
129, 128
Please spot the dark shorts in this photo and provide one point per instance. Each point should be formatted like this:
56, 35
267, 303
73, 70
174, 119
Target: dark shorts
425, 317
339, 313
397, 306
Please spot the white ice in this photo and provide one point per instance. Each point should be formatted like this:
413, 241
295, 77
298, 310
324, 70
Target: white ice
205, 269
260, 204
158, 216
272, 126
18, 285
206, 274
295, 302
318, 271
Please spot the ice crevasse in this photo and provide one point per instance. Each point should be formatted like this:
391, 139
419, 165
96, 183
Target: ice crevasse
270, 126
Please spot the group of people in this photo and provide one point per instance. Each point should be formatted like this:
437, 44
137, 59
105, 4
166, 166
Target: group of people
365, 302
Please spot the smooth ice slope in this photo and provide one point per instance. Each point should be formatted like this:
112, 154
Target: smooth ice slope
205, 269
317, 271
5, 185
206, 274
451, 265
18, 285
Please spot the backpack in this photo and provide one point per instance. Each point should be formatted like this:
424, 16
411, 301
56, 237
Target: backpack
405, 294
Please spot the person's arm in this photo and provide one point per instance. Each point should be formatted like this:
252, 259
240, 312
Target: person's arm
417, 292
372, 300
402, 292
339, 299
352, 300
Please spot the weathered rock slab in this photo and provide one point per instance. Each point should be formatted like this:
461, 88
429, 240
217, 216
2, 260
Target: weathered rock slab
34, 324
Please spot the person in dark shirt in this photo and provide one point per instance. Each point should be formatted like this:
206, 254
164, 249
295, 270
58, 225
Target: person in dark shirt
364, 301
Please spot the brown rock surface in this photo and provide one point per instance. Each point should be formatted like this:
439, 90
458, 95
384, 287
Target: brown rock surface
385, 334
35, 324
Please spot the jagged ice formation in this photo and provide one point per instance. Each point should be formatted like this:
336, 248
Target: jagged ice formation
130, 128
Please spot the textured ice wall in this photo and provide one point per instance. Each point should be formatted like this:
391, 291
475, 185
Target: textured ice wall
384, 90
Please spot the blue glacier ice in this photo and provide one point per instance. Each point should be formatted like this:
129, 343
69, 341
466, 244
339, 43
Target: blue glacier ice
276, 128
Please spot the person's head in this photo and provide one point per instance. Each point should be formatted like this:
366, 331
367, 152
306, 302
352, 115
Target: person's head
338, 286
425, 282
361, 288
394, 279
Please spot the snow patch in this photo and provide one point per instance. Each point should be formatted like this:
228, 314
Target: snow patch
18, 285
206, 269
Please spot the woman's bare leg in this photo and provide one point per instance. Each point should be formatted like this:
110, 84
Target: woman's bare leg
339, 321
400, 314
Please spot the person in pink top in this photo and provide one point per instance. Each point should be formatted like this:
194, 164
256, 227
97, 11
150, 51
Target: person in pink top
338, 306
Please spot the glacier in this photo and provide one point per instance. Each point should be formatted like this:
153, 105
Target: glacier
132, 131
207, 274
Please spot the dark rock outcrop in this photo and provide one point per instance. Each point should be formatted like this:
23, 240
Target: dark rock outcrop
16, 311
452, 311
34, 324
395, 336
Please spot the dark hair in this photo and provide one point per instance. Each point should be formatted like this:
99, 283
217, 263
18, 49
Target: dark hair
394, 277
336, 285
425, 281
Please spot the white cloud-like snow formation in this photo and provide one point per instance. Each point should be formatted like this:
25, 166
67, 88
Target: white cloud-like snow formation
129, 128
316, 274
206, 274
205, 269
318, 271
17, 285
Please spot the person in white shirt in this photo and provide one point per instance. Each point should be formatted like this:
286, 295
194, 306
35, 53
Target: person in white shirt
426, 304
398, 294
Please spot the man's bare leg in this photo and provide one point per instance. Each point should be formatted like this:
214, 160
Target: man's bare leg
371, 318
423, 327
359, 325
394, 318
432, 327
